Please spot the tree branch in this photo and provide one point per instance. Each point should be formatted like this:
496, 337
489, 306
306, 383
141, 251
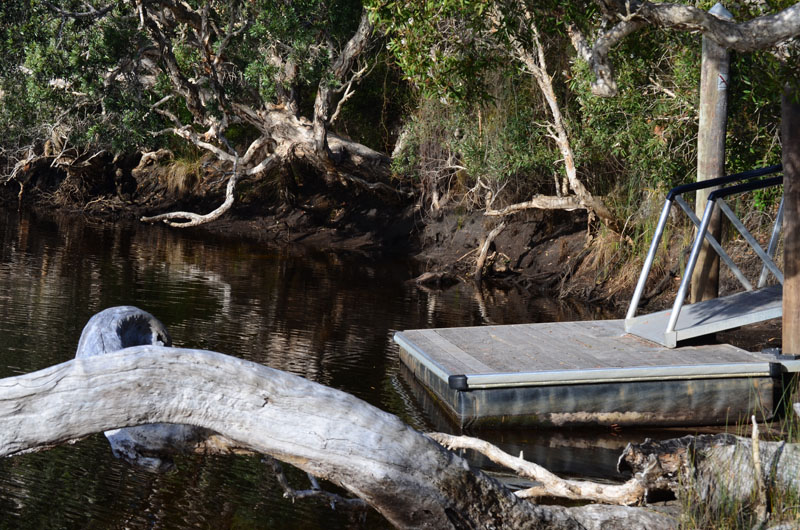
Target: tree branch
193, 219
534, 61
341, 65
629, 16
91, 13
290, 493
485, 250
629, 493
541, 202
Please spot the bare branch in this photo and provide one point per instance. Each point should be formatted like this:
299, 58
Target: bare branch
540, 202
194, 219
290, 493
348, 92
631, 492
763, 32
485, 250
187, 133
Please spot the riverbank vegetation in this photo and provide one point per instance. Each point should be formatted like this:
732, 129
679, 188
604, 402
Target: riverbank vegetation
416, 110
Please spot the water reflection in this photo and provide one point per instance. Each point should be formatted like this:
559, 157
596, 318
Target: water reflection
325, 317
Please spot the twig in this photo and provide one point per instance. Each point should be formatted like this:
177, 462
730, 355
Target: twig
761, 489
316, 491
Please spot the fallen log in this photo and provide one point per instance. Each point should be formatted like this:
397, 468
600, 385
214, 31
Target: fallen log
405, 475
715, 469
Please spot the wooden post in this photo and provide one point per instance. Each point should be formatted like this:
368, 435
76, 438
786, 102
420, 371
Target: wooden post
790, 141
711, 153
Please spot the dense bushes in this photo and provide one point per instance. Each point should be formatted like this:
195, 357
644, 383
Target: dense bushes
627, 147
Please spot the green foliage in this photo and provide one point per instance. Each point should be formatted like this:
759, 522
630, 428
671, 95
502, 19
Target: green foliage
294, 31
54, 68
627, 148
449, 67
646, 136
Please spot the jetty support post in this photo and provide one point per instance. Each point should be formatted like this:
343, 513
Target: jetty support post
790, 141
714, 79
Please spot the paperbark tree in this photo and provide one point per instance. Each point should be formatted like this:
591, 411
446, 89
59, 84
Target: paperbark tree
235, 79
620, 19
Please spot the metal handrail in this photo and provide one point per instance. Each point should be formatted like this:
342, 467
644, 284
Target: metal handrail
713, 198
674, 195
720, 181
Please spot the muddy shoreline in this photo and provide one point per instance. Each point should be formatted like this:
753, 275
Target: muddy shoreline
550, 253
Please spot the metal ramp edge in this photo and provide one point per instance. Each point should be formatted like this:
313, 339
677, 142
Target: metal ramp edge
711, 316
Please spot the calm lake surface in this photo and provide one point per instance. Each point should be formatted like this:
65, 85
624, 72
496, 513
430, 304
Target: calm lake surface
325, 317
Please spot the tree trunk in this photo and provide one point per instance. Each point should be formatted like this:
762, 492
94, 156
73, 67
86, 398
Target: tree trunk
406, 476
790, 140
484, 252
714, 79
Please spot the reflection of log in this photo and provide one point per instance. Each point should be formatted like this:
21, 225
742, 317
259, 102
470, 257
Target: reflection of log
405, 475
716, 468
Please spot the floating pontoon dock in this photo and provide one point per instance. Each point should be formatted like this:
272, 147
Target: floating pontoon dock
616, 372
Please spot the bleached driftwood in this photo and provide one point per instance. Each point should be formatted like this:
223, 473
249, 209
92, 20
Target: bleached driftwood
631, 492
405, 475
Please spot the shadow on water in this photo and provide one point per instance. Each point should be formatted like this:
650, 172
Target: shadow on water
326, 317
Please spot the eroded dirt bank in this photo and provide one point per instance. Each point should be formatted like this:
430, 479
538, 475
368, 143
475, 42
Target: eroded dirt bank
552, 252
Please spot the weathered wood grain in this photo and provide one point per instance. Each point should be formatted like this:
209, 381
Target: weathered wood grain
717, 468
405, 475
559, 346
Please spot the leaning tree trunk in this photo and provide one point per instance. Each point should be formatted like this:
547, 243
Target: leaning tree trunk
405, 475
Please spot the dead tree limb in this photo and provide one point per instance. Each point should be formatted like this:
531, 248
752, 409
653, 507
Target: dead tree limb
405, 475
481, 261
629, 16
539, 202
631, 492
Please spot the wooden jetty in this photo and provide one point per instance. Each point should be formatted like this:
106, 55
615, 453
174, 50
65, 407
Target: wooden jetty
587, 373
618, 372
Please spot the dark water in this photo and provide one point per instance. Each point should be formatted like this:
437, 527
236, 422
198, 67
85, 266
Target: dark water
325, 317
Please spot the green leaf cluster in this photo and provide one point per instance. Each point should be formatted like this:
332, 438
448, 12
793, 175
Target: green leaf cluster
627, 148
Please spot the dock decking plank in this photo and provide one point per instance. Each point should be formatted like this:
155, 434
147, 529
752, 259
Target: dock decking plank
445, 353
559, 346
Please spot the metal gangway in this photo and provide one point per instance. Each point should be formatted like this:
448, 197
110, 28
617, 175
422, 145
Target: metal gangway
754, 304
